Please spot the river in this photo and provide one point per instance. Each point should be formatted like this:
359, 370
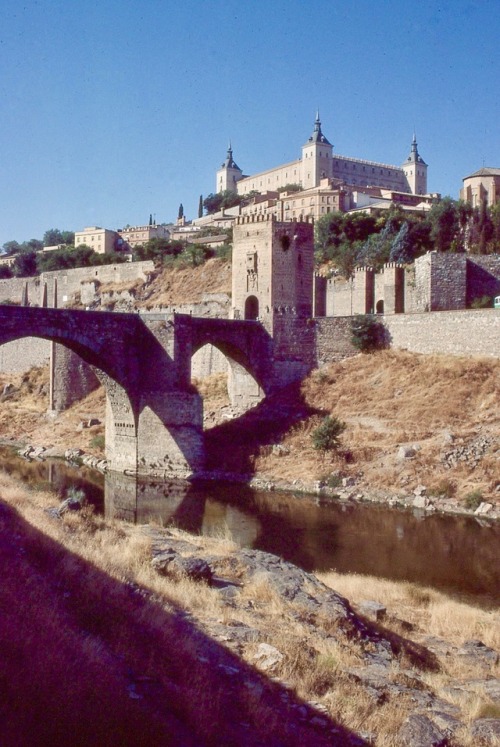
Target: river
456, 554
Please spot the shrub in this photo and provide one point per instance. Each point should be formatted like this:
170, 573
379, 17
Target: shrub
326, 437
98, 442
473, 500
367, 333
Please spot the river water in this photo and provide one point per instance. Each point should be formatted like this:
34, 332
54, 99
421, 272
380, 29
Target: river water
456, 554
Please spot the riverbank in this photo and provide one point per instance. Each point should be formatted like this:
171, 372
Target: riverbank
421, 431
192, 640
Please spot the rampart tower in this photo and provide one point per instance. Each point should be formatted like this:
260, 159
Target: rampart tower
273, 273
273, 265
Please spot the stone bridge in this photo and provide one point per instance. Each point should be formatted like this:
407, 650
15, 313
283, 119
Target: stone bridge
154, 417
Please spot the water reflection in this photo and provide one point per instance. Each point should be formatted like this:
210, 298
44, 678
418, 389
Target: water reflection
457, 554
454, 553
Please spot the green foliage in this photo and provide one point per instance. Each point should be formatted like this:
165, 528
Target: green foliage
473, 500
24, 265
11, 247
215, 202
225, 252
483, 302
68, 257
5, 271
54, 236
200, 207
326, 437
98, 442
290, 188
180, 213
368, 333
158, 249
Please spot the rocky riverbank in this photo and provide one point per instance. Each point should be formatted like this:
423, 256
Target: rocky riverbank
236, 645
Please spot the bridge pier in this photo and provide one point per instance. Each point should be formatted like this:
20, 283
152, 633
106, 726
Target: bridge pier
158, 433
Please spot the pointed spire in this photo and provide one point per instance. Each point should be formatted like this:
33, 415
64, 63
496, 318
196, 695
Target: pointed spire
317, 136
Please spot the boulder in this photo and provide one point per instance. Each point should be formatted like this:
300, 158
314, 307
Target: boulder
419, 731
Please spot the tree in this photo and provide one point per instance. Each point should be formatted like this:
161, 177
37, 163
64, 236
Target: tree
200, 207
54, 237
326, 437
180, 214
443, 217
215, 202
367, 333
25, 265
5, 271
11, 247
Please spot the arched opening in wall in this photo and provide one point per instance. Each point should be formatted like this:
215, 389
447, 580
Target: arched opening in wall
252, 308
62, 407
379, 307
227, 388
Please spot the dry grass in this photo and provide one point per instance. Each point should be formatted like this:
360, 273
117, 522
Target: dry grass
396, 398
104, 611
188, 285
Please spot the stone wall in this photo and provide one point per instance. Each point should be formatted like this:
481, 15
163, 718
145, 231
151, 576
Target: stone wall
21, 355
468, 332
69, 282
71, 378
483, 276
333, 340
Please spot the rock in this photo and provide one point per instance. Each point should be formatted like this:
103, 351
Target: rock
8, 388
419, 731
348, 482
371, 609
74, 502
280, 450
420, 501
267, 656
478, 649
169, 562
406, 452
483, 508
72, 454
420, 490
487, 730
93, 421
194, 568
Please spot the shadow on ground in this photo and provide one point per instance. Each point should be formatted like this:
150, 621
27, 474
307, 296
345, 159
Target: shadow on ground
233, 446
91, 660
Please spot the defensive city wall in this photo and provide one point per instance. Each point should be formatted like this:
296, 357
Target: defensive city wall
272, 263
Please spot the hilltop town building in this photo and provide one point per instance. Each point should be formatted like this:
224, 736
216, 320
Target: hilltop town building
318, 162
101, 240
134, 236
482, 186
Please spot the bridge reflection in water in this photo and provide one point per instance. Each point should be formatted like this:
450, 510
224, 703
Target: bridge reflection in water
457, 554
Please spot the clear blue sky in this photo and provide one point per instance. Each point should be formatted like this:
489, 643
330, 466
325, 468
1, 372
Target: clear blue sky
116, 109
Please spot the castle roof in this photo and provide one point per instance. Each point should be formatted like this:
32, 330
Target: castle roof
230, 163
317, 136
414, 156
485, 171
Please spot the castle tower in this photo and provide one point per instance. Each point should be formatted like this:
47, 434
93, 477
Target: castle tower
415, 170
316, 158
228, 174
273, 266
